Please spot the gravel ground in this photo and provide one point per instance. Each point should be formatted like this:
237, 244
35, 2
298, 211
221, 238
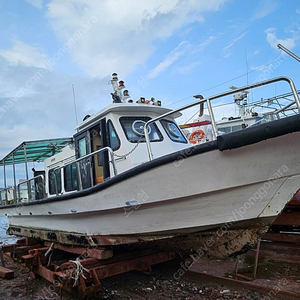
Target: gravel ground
160, 284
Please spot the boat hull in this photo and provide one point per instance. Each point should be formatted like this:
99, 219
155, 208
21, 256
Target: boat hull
239, 192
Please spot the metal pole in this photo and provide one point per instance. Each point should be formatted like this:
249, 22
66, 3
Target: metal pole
256, 258
15, 181
288, 52
79, 176
5, 185
148, 141
27, 177
212, 118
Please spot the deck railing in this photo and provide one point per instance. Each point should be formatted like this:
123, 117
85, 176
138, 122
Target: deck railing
38, 186
33, 186
78, 160
5, 193
210, 109
33, 189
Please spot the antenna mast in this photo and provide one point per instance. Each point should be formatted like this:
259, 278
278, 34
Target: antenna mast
75, 105
247, 67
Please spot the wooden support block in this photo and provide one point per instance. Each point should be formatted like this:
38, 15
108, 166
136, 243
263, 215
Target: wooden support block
21, 241
31, 241
28, 260
9, 248
6, 273
2, 258
99, 253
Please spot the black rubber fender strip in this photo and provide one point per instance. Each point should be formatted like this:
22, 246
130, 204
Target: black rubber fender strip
258, 133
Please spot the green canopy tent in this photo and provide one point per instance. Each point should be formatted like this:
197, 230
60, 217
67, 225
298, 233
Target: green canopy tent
32, 151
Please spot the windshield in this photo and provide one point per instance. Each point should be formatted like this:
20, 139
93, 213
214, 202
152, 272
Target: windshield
134, 129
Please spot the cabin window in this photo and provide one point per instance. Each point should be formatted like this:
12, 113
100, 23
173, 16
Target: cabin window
114, 140
173, 131
82, 147
70, 178
224, 130
134, 129
236, 128
230, 129
54, 181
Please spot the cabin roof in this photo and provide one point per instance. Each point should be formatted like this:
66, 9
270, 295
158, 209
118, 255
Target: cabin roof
37, 151
119, 108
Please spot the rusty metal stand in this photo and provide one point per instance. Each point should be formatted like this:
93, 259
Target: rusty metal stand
255, 265
2, 258
82, 275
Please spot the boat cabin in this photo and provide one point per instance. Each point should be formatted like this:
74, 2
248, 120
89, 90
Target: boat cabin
109, 143
106, 144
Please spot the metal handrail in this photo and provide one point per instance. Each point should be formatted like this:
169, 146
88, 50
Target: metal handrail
18, 188
85, 157
208, 101
7, 190
28, 181
284, 108
96, 152
55, 169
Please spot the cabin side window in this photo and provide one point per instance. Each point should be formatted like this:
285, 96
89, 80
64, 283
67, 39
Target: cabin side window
113, 138
230, 129
134, 129
70, 178
54, 181
173, 131
82, 147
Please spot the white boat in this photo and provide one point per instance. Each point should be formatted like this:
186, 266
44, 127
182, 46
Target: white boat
130, 176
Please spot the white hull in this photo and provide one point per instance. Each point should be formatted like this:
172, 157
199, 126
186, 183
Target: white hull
200, 193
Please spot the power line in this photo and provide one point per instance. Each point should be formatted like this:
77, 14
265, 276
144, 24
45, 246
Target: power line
227, 81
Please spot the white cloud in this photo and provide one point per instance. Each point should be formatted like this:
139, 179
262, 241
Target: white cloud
44, 108
123, 32
264, 8
234, 41
274, 41
187, 68
25, 54
206, 42
36, 3
227, 55
171, 58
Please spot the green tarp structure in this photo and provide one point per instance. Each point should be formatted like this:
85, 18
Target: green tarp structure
35, 151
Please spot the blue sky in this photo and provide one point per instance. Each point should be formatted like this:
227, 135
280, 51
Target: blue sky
170, 50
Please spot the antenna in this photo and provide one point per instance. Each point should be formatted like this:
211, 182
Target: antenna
75, 105
247, 66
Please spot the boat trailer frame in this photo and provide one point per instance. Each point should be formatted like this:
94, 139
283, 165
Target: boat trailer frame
82, 275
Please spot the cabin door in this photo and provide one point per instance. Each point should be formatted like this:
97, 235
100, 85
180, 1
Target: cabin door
39, 184
83, 147
100, 160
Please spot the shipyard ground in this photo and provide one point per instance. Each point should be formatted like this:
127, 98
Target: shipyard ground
277, 277
134, 285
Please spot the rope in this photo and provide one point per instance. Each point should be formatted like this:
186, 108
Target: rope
49, 251
79, 271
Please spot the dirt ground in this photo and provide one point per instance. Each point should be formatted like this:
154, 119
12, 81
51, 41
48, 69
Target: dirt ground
160, 284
